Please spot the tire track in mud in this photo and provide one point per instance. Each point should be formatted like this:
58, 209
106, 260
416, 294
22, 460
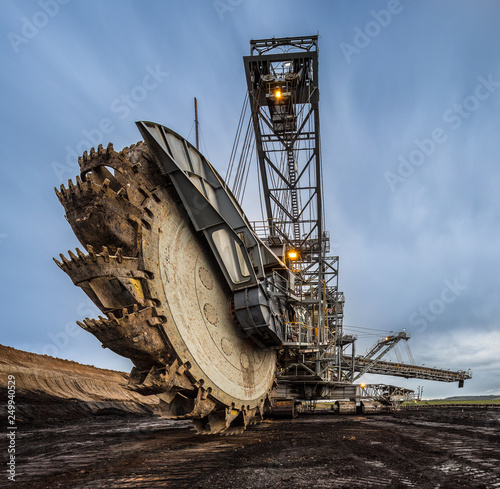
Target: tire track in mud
320, 450
473, 451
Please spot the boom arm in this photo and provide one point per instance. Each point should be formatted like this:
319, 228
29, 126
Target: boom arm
241, 255
379, 350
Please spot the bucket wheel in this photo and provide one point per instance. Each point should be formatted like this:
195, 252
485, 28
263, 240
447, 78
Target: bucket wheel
165, 301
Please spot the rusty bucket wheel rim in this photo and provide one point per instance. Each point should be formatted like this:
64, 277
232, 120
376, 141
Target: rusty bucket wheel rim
127, 278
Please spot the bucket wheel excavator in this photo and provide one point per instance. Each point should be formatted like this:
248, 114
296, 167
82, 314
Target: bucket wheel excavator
212, 313
173, 278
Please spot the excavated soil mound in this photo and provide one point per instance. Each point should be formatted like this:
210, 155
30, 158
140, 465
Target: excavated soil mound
47, 387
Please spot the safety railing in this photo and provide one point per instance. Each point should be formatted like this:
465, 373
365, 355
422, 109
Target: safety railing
302, 335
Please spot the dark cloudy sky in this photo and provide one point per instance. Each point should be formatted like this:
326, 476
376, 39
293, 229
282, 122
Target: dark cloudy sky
410, 115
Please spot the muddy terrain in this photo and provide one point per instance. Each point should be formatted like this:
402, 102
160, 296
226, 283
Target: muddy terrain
422, 449
78, 427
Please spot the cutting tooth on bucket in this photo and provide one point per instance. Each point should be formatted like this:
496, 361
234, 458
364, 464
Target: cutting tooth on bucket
166, 303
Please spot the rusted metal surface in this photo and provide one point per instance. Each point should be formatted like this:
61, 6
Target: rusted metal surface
345, 407
371, 407
285, 408
166, 304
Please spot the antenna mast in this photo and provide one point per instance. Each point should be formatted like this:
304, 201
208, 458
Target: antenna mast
196, 123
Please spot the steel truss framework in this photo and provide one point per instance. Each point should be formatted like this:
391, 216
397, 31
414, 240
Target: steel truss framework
283, 94
282, 82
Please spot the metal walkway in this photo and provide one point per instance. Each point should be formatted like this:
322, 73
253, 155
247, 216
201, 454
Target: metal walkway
410, 371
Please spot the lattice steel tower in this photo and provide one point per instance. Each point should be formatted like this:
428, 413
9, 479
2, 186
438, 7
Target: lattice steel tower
282, 82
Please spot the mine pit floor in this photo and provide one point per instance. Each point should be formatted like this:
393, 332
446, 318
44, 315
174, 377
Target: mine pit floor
432, 448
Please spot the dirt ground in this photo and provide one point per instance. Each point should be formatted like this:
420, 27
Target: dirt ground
432, 448
52, 387
79, 427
